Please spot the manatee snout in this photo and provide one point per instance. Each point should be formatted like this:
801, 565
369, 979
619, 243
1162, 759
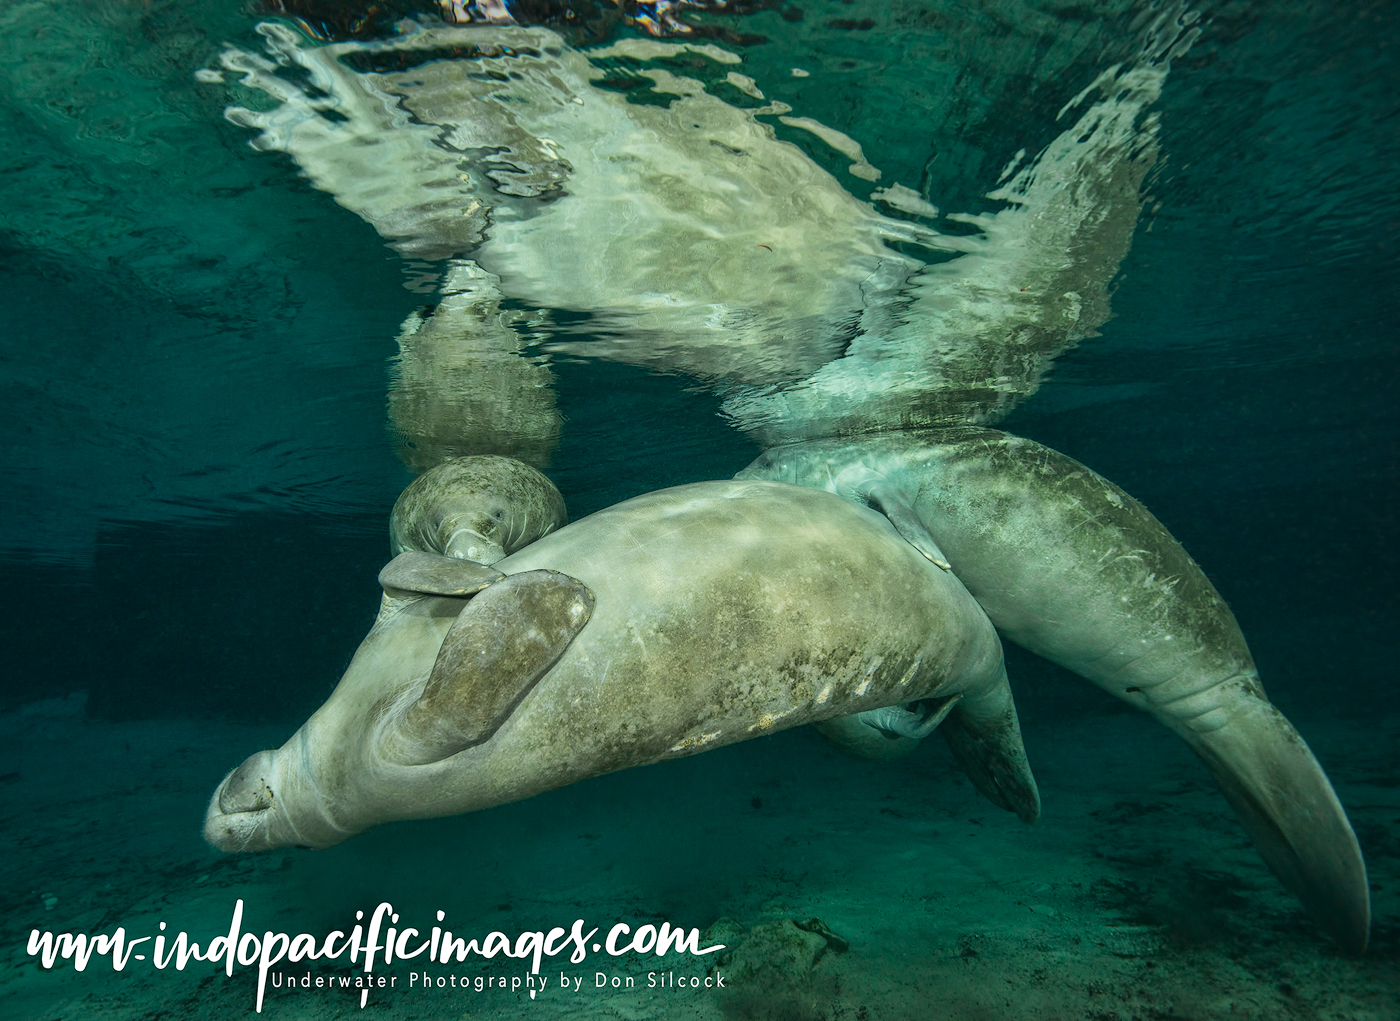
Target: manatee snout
248, 788
240, 811
471, 539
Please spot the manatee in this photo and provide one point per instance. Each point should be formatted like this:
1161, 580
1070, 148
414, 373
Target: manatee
667, 625
476, 508
1071, 567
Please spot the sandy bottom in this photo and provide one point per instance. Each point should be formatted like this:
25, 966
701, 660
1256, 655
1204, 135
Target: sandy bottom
865, 891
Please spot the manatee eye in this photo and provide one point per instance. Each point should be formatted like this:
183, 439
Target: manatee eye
499, 515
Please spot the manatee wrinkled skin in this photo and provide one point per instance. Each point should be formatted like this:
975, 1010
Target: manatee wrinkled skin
479, 508
1071, 567
672, 623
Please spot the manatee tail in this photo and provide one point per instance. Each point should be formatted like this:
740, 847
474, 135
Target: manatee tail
985, 735
1290, 811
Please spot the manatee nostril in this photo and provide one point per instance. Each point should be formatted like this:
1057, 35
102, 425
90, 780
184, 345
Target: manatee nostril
247, 788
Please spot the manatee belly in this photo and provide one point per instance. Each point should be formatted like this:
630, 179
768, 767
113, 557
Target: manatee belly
728, 610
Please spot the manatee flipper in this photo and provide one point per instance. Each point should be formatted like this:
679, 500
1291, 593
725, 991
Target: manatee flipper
859, 740
915, 724
431, 574
985, 736
1290, 811
883, 735
893, 504
498, 648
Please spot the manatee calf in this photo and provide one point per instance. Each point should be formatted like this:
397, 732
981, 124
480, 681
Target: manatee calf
1074, 569
669, 624
476, 508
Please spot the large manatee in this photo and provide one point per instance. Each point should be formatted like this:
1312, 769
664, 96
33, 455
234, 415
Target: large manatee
669, 624
1074, 569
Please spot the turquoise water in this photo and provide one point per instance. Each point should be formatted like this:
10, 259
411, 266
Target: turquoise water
210, 408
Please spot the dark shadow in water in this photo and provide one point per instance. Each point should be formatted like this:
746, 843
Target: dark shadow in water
253, 620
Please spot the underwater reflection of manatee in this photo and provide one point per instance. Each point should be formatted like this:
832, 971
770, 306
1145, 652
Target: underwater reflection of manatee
688, 236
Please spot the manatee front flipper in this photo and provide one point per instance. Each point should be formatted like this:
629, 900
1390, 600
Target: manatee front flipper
893, 504
916, 724
432, 574
883, 735
1280, 792
985, 736
863, 484
501, 644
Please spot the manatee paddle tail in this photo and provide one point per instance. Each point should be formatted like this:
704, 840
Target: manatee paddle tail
1278, 789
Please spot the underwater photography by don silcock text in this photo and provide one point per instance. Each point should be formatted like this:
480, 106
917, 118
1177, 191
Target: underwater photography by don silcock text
732, 510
